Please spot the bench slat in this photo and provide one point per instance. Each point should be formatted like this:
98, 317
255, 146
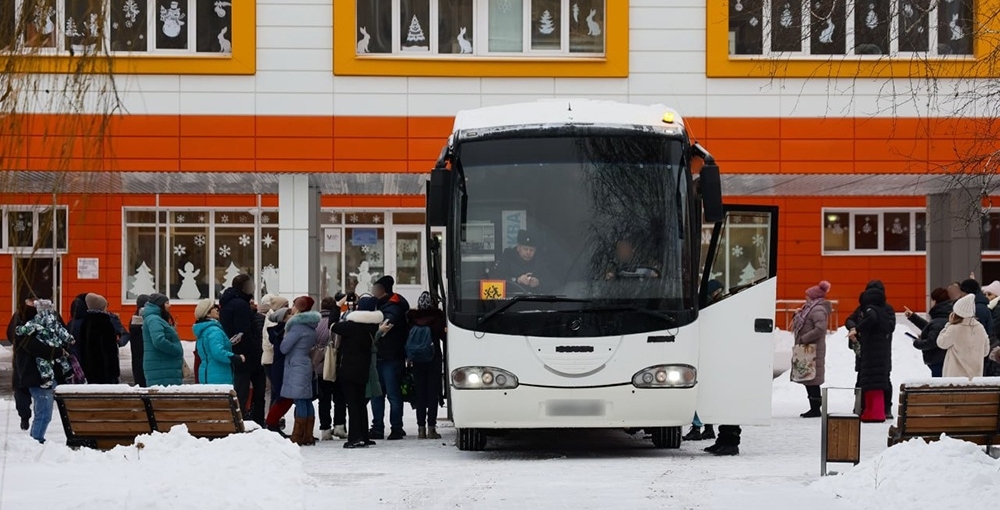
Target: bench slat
916, 424
983, 398
191, 404
199, 428
107, 428
193, 416
73, 404
115, 415
952, 410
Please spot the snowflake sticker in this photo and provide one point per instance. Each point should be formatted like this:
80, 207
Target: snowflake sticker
267, 241
265, 219
199, 240
20, 226
354, 218
180, 250
225, 218
225, 251
737, 251
180, 218
244, 240
758, 240
201, 218
244, 218
377, 219
334, 218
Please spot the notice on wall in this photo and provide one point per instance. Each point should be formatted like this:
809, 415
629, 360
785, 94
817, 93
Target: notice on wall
364, 237
332, 241
87, 269
513, 222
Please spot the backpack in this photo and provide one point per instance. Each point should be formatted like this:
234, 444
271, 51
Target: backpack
420, 345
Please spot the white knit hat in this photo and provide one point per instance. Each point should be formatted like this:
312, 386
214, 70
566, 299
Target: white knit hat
993, 288
202, 308
965, 307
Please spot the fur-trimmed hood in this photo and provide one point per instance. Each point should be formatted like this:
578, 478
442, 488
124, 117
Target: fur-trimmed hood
310, 319
363, 317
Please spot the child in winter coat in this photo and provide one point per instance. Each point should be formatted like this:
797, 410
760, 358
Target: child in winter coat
42, 344
966, 341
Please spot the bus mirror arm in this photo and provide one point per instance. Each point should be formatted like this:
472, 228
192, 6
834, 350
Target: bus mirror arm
709, 185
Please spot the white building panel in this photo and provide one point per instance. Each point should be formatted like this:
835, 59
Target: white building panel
373, 105
294, 59
295, 37
507, 86
294, 104
217, 103
286, 82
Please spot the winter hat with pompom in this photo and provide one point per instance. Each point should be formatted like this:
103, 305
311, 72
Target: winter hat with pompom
818, 291
96, 302
965, 307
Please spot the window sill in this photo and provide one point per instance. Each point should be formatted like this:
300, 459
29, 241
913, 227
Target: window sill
874, 253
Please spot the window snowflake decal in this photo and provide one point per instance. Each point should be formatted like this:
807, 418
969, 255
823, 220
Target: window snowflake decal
265, 219
180, 218
131, 10
244, 240
267, 241
354, 218
225, 251
737, 251
243, 218
224, 218
199, 240
180, 250
334, 218
377, 219
758, 240
20, 226
201, 218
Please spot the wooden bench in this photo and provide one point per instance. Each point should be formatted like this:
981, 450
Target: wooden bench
958, 408
105, 416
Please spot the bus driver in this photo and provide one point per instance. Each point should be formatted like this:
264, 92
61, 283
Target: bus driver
518, 265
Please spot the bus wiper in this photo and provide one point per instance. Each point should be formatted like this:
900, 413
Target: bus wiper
540, 298
632, 308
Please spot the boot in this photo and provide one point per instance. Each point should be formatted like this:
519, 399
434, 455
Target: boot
307, 432
421, 432
300, 425
432, 433
726, 450
815, 405
709, 433
693, 435
874, 407
340, 431
24, 424
326, 435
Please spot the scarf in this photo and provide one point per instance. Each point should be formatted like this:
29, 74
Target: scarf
800, 317
47, 329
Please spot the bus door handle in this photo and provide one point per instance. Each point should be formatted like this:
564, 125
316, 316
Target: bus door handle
763, 325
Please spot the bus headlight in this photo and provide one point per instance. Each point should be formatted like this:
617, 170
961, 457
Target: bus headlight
482, 378
666, 376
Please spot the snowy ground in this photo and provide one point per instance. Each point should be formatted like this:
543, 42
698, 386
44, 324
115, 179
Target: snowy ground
778, 468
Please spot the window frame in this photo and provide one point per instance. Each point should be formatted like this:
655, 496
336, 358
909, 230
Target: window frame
532, 63
852, 212
32, 251
242, 60
720, 64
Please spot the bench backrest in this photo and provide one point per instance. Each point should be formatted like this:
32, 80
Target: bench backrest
104, 420
970, 412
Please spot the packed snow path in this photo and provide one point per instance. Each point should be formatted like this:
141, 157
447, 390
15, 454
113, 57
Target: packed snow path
778, 467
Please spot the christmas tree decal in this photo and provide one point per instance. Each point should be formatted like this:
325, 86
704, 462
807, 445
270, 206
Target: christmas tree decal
415, 36
142, 282
231, 273
546, 26
749, 275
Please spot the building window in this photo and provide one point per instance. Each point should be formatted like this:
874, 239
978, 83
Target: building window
192, 254
463, 28
874, 231
821, 28
160, 27
34, 230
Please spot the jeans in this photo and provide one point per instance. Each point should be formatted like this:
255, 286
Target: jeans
42, 399
304, 408
331, 391
390, 373
250, 386
22, 401
696, 422
936, 369
427, 385
354, 395
275, 374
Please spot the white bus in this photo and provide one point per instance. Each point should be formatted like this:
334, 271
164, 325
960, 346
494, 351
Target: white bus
646, 298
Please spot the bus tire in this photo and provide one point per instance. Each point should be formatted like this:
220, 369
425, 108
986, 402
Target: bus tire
471, 440
667, 437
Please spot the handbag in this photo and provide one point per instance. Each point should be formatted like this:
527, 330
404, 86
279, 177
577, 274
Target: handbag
803, 362
78, 376
330, 359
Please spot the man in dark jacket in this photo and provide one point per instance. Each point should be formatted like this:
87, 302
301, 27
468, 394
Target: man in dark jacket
519, 266
983, 314
99, 343
929, 330
22, 396
237, 316
391, 355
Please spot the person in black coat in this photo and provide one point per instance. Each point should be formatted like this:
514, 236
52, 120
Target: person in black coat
136, 342
237, 315
357, 332
22, 396
983, 313
99, 343
391, 355
77, 312
851, 325
874, 335
929, 330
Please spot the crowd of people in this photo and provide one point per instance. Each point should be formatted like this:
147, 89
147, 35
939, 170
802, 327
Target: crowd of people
353, 352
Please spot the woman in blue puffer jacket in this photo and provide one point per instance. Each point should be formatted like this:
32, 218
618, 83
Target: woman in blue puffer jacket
213, 346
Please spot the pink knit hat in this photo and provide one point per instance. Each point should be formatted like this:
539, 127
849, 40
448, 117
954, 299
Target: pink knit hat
819, 291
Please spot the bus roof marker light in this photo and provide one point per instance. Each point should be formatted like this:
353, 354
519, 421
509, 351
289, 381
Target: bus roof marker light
668, 117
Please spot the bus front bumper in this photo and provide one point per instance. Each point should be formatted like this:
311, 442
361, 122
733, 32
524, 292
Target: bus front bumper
527, 407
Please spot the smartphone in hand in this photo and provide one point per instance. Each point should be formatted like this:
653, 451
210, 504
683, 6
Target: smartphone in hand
235, 339
911, 335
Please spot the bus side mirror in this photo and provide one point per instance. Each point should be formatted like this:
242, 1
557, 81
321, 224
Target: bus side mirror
438, 197
710, 185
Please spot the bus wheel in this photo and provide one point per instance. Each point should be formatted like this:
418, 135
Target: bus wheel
666, 437
471, 440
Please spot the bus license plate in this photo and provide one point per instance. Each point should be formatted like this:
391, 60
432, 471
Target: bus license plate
575, 408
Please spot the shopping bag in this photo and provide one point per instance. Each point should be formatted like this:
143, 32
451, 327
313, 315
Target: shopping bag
803, 363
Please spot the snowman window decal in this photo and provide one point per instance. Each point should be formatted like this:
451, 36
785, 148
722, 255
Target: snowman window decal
173, 20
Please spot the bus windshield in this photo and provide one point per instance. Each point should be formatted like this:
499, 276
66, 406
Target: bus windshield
589, 225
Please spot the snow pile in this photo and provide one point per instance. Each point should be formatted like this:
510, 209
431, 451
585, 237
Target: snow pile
168, 471
946, 474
